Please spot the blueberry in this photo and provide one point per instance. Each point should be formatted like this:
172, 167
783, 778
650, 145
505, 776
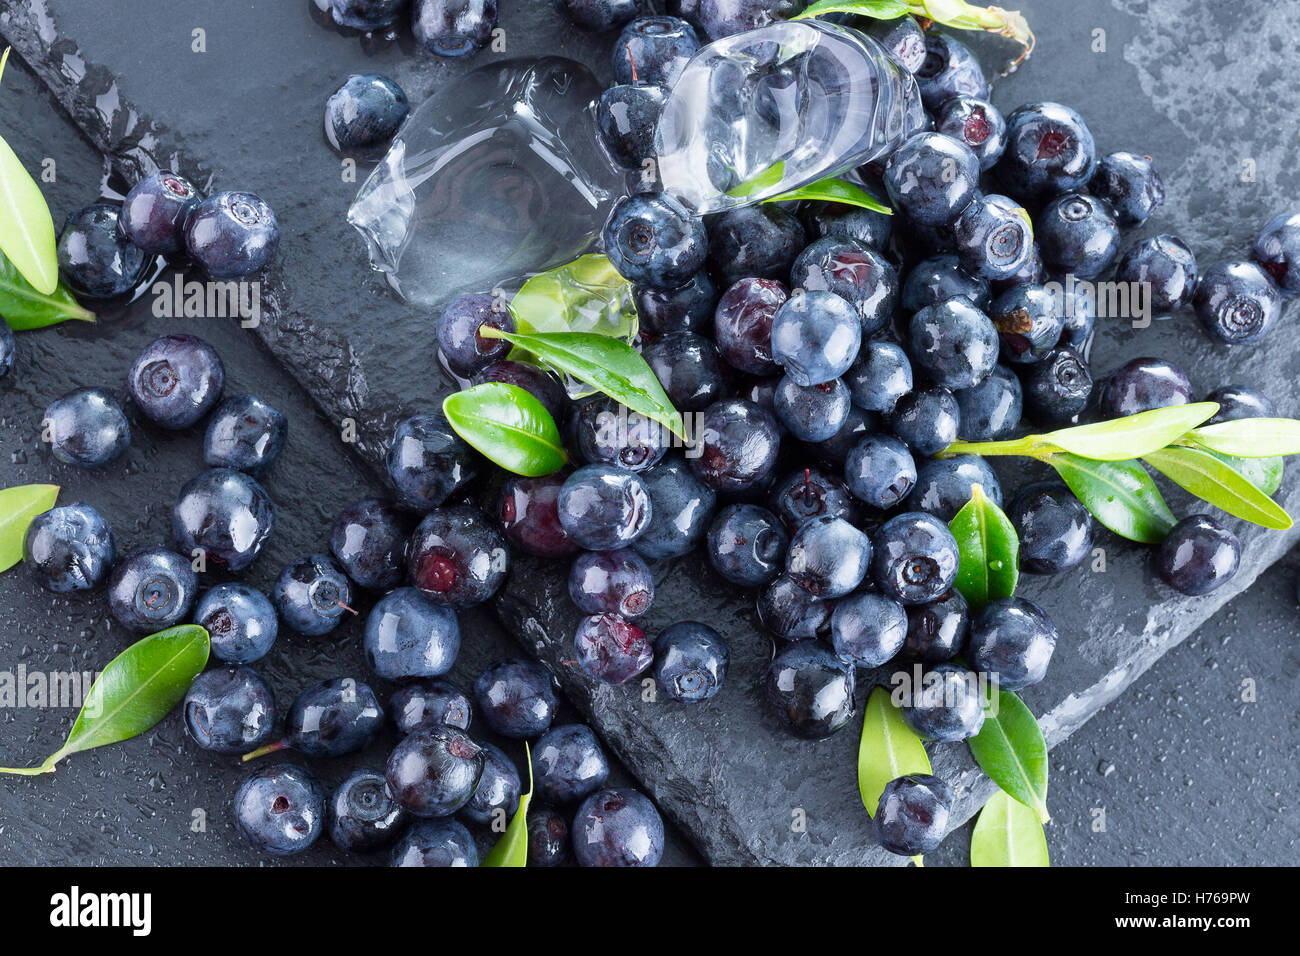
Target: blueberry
244, 433
280, 810
363, 814
815, 337
369, 542
943, 485
603, 508
812, 413
758, 241
151, 590
407, 635
155, 211
914, 558
1014, 639
1238, 401
626, 117
528, 511
600, 16
810, 689
828, 557
871, 228
433, 773
1130, 184
977, 123
936, 630
949, 69
1031, 272
496, 796
240, 622
736, 445
902, 38
226, 515
690, 661
685, 309
428, 462
942, 277
460, 333
611, 582
538, 382
1236, 302
607, 433
86, 428
653, 51
436, 843
855, 273
1049, 150
993, 237
880, 471
69, 548
881, 375
453, 27
1164, 265
990, 411
1058, 388
333, 718
1197, 556
912, 815
176, 380
867, 629
954, 343
931, 178
651, 241
746, 545
516, 698
569, 764
311, 594
927, 421
365, 113
422, 704
366, 14
1078, 235
806, 493
456, 558
95, 260
1277, 249
1055, 528
618, 827
232, 234
743, 324
8, 349
1144, 384
682, 507
1029, 320
947, 707
229, 710
789, 611
548, 836
718, 20
611, 649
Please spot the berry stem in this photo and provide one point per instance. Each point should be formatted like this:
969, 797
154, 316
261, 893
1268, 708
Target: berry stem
263, 751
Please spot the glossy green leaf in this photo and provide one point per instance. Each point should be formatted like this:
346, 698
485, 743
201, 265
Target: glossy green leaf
1133, 435
835, 190
136, 690
1008, 833
876, 9
586, 295
508, 426
1010, 748
1250, 437
18, 506
765, 180
512, 848
889, 749
1264, 473
4, 61
1216, 482
26, 229
1120, 494
607, 365
990, 550
24, 308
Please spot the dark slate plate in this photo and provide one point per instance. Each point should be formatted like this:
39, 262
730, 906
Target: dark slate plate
1166, 78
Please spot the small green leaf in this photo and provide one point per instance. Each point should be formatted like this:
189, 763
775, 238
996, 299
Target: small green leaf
18, 506
512, 848
767, 179
1010, 748
889, 749
835, 190
1250, 437
990, 550
607, 365
1264, 473
586, 295
136, 690
1215, 481
876, 9
1120, 494
508, 426
4, 61
1133, 435
1008, 833
26, 229
24, 308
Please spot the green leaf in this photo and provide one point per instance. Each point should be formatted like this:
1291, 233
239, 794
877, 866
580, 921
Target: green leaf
1120, 494
512, 848
586, 295
24, 308
1264, 473
18, 506
136, 690
767, 179
990, 550
607, 365
1007, 833
889, 749
1215, 481
508, 426
1250, 437
876, 9
835, 190
1010, 748
4, 61
1133, 435
26, 229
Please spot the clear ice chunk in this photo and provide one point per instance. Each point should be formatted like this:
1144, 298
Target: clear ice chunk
495, 178
763, 112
